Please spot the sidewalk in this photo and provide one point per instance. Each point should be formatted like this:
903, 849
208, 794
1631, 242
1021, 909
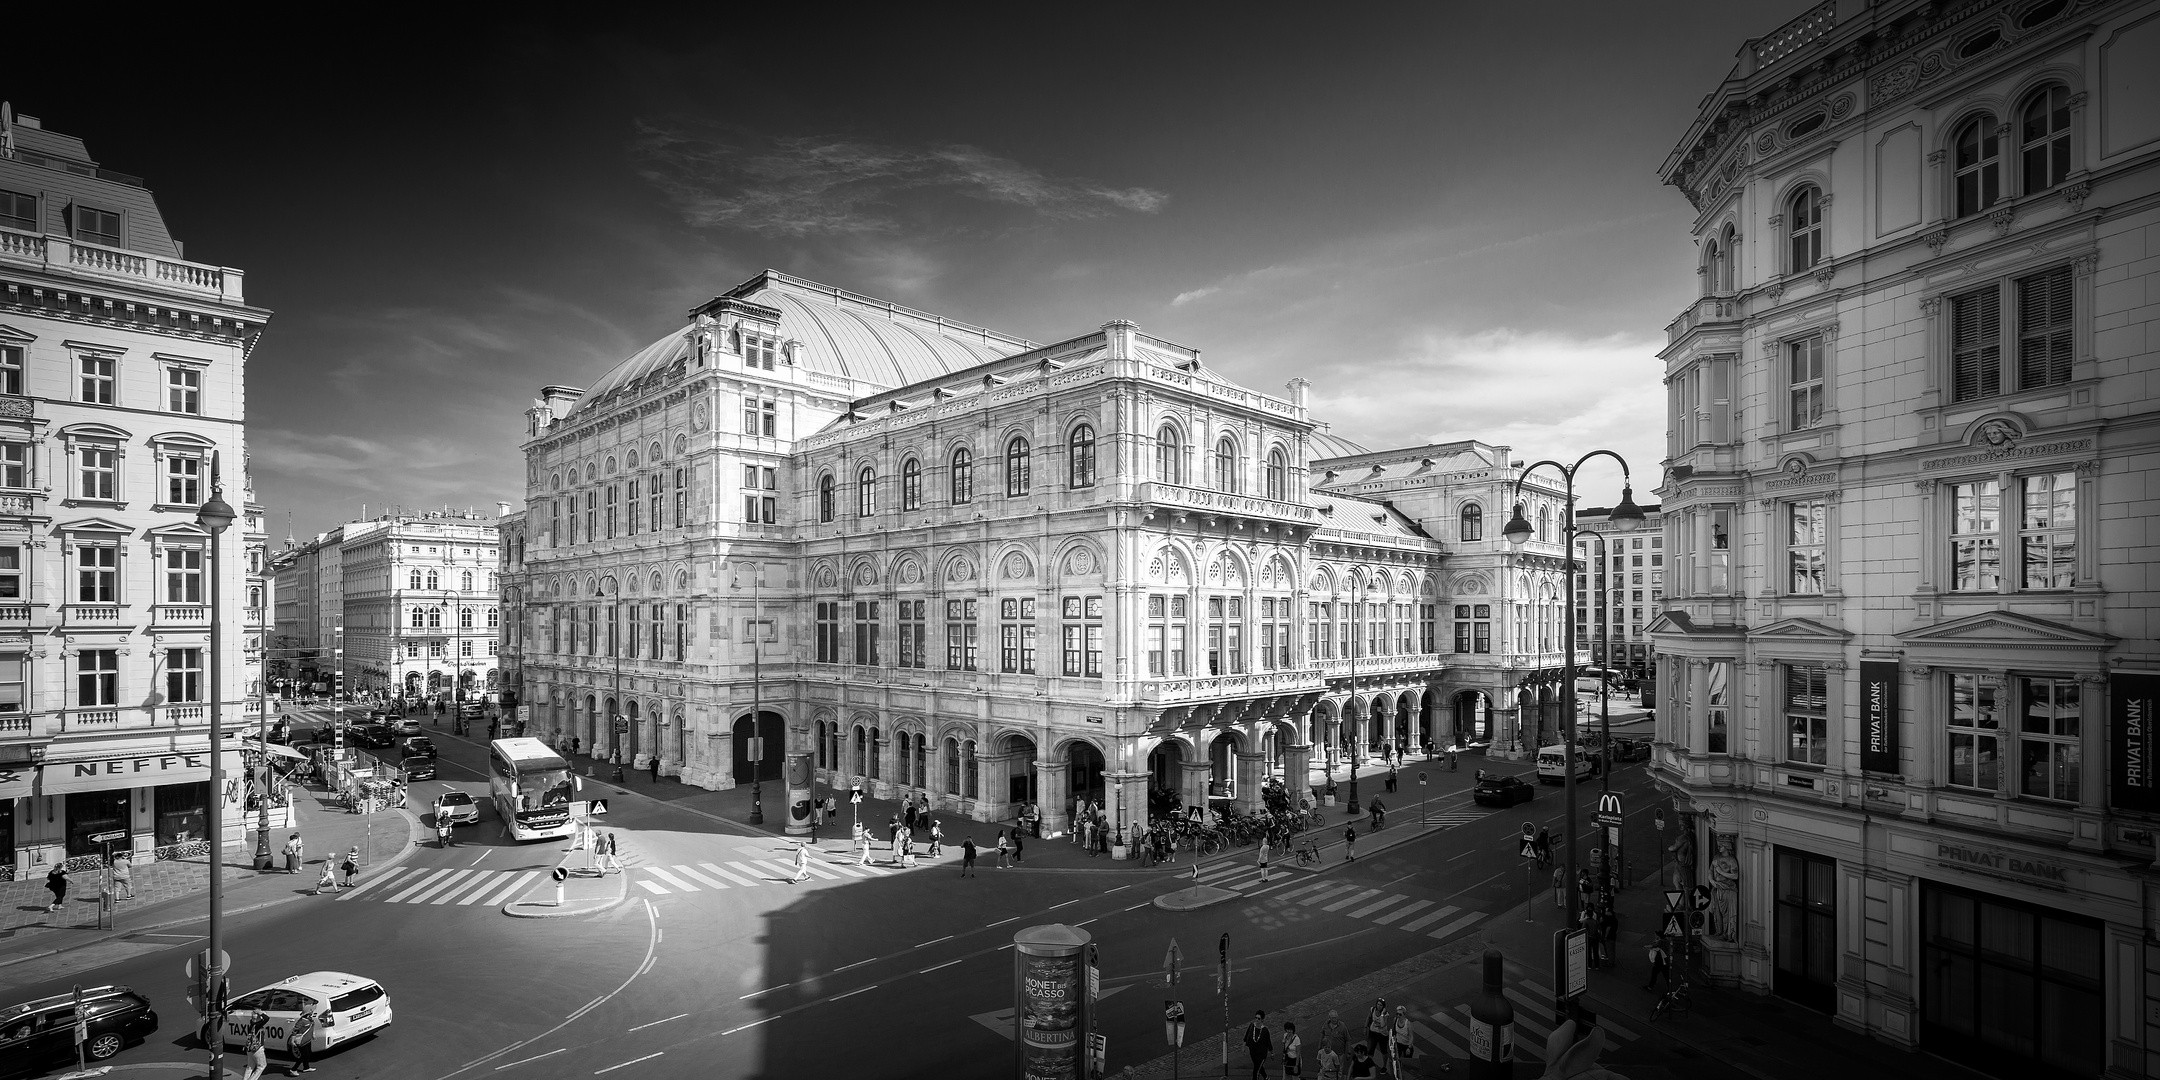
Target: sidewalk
174, 892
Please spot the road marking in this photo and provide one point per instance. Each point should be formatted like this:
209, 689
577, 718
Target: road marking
820, 871
1084, 923
1303, 889
767, 990
529, 1060
757, 872
1464, 855
433, 887
652, 888
751, 1024
852, 993
1333, 890
856, 964
934, 941
695, 876
1487, 881
1415, 905
372, 882
1067, 903
1002, 922
1428, 919
1120, 888
946, 964
416, 883
1265, 889
717, 872
657, 1023
670, 879
1377, 905
476, 862
504, 894
484, 881
632, 1061
1458, 924
1137, 907
1353, 898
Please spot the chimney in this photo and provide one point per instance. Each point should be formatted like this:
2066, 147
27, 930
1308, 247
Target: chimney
1297, 388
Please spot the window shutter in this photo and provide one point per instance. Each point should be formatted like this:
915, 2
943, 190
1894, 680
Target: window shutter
1975, 344
2044, 338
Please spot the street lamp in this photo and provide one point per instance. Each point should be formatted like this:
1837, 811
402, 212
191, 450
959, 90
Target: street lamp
1518, 532
214, 517
757, 708
1357, 736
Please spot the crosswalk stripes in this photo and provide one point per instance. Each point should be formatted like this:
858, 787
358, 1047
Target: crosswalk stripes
1425, 920
1414, 905
743, 874
1533, 1020
460, 887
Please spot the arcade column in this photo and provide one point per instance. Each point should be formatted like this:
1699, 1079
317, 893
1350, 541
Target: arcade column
1251, 770
1297, 772
1193, 792
1054, 787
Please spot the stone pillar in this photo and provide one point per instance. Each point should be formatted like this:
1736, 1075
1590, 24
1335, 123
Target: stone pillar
1127, 803
1193, 792
883, 786
1411, 705
1297, 774
1054, 792
1251, 770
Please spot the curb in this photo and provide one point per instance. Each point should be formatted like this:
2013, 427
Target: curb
536, 910
413, 834
1195, 898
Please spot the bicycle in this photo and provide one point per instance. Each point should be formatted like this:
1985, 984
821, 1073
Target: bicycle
1674, 1000
1308, 853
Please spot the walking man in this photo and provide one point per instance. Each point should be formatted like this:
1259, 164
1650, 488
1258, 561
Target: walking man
1349, 842
302, 1044
652, 766
802, 863
328, 880
1335, 1035
967, 857
1259, 1042
612, 857
1016, 848
56, 882
1660, 965
862, 845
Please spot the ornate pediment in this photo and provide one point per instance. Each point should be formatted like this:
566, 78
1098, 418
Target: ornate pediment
1797, 629
2003, 629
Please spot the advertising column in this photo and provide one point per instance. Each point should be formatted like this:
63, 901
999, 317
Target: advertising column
1049, 990
800, 773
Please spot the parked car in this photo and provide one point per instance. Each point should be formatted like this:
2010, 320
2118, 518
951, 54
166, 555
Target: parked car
356, 1006
1631, 749
458, 807
1501, 789
41, 1032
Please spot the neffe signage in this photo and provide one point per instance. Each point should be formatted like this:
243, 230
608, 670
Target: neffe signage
1879, 716
115, 771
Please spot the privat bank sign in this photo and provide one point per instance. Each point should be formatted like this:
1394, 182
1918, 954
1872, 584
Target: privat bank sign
2003, 863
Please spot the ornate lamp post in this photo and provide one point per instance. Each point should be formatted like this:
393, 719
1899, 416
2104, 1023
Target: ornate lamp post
1518, 532
214, 517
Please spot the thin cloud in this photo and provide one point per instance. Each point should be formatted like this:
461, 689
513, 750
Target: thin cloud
720, 177
1192, 295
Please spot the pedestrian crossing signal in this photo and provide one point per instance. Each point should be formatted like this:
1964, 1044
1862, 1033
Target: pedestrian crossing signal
1529, 848
1672, 924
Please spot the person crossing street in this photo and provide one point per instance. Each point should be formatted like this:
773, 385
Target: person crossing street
802, 864
967, 858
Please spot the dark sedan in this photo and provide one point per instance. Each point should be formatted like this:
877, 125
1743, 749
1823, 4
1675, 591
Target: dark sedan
1500, 790
35, 1033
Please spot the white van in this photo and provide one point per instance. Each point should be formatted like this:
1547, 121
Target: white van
1552, 765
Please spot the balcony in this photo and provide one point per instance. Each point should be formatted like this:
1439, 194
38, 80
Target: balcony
14, 613
178, 715
1203, 500
92, 614
14, 725
1708, 311
1379, 665
58, 254
1228, 687
19, 505
90, 720
183, 615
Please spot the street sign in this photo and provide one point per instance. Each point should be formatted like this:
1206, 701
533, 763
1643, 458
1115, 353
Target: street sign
1672, 925
596, 808
1174, 1023
855, 796
1702, 898
1222, 967
1529, 831
1529, 847
1698, 921
1173, 963
1098, 1054
1421, 778
622, 726
1571, 962
560, 875
201, 960
1657, 818
109, 837
1608, 809
1674, 899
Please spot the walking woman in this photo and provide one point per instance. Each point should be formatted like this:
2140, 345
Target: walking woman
802, 863
56, 881
1004, 846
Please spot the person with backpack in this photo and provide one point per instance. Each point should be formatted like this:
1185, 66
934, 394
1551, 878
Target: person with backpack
301, 1041
1349, 842
967, 858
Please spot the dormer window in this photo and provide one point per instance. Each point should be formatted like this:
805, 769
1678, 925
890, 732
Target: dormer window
19, 211
97, 226
758, 350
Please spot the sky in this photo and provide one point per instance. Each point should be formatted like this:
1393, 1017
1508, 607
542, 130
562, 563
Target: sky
1445, 215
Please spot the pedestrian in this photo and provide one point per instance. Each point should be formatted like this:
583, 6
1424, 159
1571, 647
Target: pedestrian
292, 854
1399, 1041
1349, 842
1330, 1063
937, 838
1543, 846
1293, 1052
613, 856
616, 760
862, 846
1610, 926
1391, 780
909, 815
1102, 837
1378, 810
967, 857
1335, 1035
1377, 1022
1361, 1061
904, 851
652, 765
1259, 1042
1263, 860
351, 866
892, 832
123, 875
255, 1056
573, 738
300, 1039
1660, 965
328, 880
56, 881
1016, 848
802, 863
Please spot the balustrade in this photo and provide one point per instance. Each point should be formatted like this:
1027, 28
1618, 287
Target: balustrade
56, 252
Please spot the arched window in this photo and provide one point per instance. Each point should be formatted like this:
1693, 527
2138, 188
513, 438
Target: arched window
1226, 463
1803, 224
866, 492
465, 581
494, 618
432, 581
434, 618
1016, 466
1080, 457
963, 476
825, 498
952, 766
1979, 165
630, 460
464, 618
418, 620
1544, 525
911, 485
1473, 522
1278, 475
1728, 270
1714, 268
968, 769
2044, 139
1169, 456
415, 580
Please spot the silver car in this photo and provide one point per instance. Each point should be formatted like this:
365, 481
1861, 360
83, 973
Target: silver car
457, 808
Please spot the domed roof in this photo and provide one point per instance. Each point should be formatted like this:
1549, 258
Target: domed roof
874, 344
1326, 444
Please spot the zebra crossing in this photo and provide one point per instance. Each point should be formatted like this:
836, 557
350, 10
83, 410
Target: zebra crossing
451, 886
757, 869
1351, 900
1449, 1030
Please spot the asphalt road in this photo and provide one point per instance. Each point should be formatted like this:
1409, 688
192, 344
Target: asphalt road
717, 968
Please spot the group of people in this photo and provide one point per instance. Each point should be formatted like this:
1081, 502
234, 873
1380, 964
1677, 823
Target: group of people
1091, 830
340, 872
1386, 1044
299, 1040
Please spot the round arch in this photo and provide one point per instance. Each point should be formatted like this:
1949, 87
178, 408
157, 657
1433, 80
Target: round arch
767, 726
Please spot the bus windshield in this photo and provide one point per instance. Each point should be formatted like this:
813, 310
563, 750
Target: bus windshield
539, 788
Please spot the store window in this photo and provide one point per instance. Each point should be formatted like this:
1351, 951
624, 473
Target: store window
2011, 989
1806, 929
92, 812
182, 812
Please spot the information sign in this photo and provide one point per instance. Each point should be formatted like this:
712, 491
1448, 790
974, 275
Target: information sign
1571, 962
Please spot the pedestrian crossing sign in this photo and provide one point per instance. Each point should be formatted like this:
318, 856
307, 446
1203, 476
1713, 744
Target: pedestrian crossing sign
1529, 848
1672, 925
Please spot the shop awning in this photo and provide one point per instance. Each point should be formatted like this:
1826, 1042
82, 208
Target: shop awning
273, 749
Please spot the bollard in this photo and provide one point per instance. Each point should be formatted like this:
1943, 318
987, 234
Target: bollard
560, 875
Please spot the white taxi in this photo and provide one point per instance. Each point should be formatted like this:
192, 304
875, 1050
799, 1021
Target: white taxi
345, 1007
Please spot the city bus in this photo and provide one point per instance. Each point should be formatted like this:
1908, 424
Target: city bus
532, 786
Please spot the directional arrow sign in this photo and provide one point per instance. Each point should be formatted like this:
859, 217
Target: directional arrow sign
1702, 897
108, 837
1173, 962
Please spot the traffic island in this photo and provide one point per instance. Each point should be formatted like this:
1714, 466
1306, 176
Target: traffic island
1195, 898
568, 891
172, 1070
